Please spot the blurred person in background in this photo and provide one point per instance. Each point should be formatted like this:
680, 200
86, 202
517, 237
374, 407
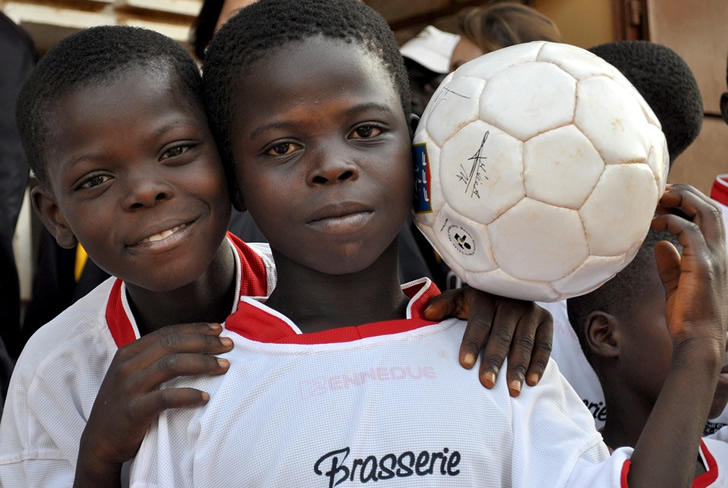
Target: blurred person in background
427, 59
488, 28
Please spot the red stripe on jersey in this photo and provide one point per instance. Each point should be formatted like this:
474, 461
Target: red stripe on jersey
625, 471
119, 324
253, 282
259, 325
719, 192
708, 478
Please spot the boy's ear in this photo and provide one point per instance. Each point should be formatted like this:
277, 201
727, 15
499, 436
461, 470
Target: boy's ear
45, 206
600, 334
414, 121
724, 107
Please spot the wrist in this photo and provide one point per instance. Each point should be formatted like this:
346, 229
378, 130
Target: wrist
695, 366
93, 472
699, 353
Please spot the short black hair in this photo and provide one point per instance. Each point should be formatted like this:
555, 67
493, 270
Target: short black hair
666, 82
269, 24
92, 57
624, 292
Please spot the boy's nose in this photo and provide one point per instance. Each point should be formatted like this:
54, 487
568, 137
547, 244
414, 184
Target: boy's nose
332, 169
146, 193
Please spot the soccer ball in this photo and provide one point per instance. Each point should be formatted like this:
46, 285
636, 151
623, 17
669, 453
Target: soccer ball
538, 167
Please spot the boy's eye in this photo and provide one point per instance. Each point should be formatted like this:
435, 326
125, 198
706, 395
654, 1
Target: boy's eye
94, 181
175, 151
365, 132
282, 148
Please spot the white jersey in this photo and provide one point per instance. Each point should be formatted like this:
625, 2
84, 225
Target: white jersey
719, 194
61, 368
573, 364
386, 403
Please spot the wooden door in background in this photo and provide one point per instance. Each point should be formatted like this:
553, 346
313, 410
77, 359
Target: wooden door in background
698, 31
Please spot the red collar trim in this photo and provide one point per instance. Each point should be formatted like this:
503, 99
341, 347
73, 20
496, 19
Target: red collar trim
253, 275
262, 324
119, 324
253, 282
719, 192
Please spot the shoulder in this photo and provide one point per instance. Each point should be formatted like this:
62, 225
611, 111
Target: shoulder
554, 401
79, 329
53, 387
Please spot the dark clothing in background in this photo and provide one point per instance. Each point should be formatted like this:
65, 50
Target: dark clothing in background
54, 285
17, 58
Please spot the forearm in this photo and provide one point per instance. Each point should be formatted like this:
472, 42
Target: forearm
667, 450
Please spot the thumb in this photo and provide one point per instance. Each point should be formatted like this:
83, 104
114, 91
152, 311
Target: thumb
668, 265
449, 303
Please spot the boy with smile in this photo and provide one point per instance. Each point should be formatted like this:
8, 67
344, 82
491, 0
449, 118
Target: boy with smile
100, 178
314, 106
114, 129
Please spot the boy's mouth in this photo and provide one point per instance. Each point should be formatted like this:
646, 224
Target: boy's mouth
163, 234
342, 217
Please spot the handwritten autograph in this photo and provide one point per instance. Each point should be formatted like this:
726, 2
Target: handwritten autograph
475, 175
442, 97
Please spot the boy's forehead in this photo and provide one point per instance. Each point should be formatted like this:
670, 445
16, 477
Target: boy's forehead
81, 118
291, 69
312, 87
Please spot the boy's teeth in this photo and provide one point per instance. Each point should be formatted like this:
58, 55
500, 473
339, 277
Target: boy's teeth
163, 235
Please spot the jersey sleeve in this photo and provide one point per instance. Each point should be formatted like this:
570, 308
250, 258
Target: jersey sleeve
555, 441
30, 454
52, 390
573, 364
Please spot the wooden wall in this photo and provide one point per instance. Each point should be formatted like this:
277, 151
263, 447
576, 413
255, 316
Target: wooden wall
698, 32
582, 23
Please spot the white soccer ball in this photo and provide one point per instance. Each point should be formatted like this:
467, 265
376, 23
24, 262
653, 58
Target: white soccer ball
539, 167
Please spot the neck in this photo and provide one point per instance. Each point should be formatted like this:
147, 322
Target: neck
315, 301
208, 299
628, 408
624, 426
